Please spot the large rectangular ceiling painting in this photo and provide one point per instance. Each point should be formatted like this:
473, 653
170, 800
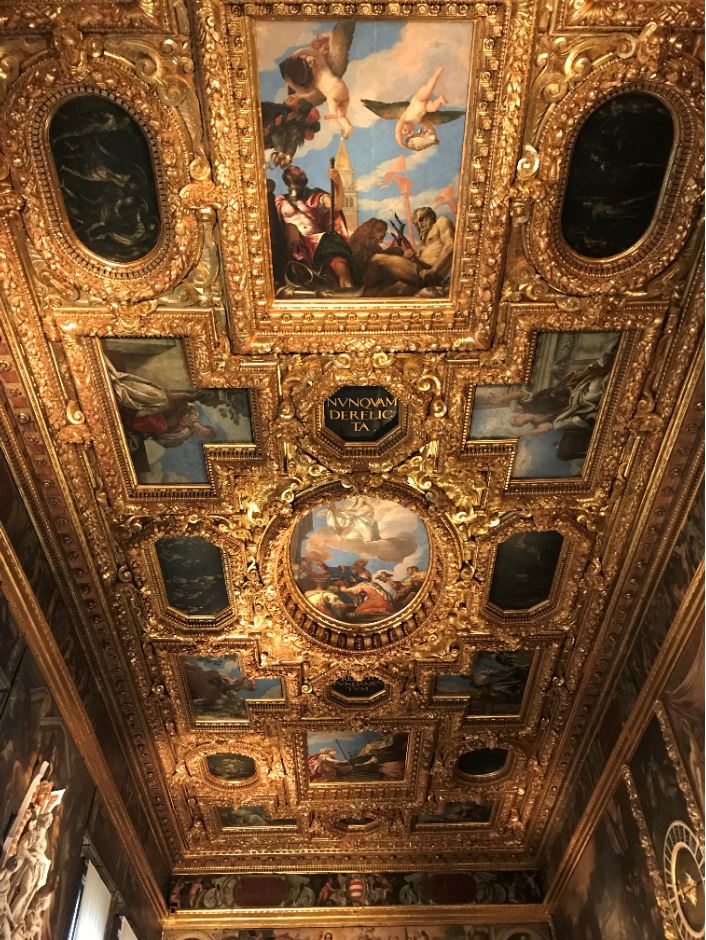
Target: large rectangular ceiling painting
363, 128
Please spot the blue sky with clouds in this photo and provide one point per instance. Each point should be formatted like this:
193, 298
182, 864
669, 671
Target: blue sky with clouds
388, 61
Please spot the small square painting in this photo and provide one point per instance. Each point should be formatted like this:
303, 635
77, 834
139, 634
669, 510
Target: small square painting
363, 127
192, 571
553, 415
219, 689
353, 757
495, 686
524, 569
166, 422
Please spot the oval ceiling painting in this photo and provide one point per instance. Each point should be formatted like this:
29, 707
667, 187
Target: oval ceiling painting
231, 767
617, 169
104, 168
359, 560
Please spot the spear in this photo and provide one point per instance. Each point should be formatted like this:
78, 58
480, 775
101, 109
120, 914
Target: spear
332, 164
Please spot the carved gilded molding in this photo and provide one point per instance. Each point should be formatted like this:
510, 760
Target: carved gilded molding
63, 690
513, 281
227, 50
443, 914
621, 14
151, 83
657, 63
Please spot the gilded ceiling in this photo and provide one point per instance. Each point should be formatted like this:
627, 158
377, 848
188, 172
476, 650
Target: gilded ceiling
355, 333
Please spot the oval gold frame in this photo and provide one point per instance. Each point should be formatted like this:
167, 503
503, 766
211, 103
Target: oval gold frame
371, 627
350, 638
545, 246
25, 121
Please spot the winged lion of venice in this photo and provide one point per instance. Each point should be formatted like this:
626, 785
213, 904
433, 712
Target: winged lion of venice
417, 118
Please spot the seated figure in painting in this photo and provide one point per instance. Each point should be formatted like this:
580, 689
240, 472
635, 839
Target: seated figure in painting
315, 231
330, 599
325, 765
502, 682
404, 272
375, 598
168, 417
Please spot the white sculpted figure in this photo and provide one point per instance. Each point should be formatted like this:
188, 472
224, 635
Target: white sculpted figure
32, 865
24, 896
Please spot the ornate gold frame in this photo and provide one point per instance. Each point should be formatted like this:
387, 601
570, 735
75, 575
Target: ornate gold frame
643, 65
73, 66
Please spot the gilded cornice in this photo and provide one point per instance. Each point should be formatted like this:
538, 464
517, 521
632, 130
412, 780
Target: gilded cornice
537, 73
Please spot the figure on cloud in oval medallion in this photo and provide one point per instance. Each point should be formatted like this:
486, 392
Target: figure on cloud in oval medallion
359, 560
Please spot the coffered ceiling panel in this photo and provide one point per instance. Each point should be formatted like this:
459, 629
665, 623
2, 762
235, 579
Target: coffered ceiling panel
358, 337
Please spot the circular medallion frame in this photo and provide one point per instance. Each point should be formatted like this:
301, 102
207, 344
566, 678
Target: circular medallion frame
684, 870
358, 637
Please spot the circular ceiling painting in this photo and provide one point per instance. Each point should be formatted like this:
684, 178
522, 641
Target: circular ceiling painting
359, 560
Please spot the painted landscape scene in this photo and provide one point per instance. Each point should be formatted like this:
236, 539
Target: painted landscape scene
552, 416
166, 421
363, 127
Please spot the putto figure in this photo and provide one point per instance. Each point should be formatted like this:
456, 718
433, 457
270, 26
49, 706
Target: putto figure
314, 73
418, 117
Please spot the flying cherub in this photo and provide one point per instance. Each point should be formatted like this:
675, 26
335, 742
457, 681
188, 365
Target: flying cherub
422, 111
314, 73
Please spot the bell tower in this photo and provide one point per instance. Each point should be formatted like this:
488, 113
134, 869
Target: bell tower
350, 200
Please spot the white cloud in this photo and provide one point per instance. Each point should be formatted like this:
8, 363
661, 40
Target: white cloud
275, 38
374, 179
386, 208
394, 541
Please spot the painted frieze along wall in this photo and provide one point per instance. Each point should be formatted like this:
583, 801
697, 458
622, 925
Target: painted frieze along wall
478, 930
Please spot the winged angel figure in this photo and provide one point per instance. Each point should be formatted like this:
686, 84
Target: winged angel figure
314, 73
422, 112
